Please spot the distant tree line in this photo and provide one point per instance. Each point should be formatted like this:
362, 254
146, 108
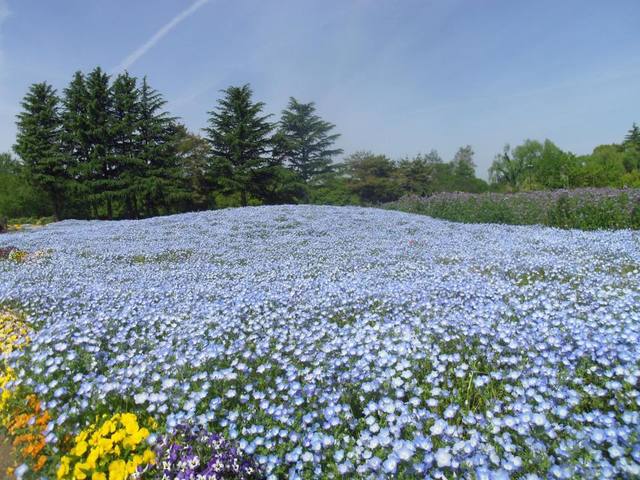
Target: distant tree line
538, 165
107, 148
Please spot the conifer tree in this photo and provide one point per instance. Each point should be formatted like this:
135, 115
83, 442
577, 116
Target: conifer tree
633, 137
157, 144
74, 126
463, 164
240, 138
102, 172
124, 130
38, 143
303, 140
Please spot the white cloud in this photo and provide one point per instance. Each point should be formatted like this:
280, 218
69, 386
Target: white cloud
159, 35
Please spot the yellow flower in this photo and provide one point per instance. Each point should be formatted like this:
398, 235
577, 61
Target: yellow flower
107, 428
118, 436
81, 447
148, 456
132, 465
117, 442
78, 471
106, 445
63, 470
117, 470
130, 423
94, 454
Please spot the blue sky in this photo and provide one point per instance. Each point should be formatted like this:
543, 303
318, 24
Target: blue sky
396, 77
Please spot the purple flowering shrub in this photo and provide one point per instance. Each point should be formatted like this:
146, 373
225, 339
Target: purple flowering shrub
194, 453
581, 208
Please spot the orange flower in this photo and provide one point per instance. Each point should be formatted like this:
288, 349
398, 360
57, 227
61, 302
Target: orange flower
27, 429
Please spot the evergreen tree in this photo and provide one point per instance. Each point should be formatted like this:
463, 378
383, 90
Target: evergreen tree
101, 170
157, 143
124, 131
38, 143
631, 147
74, 127
463, 164
240, 140
304, 141
633, 137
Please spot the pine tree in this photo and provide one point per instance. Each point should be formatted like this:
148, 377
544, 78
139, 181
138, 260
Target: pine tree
102, 173
129, 169
157, 145
38, 143
631, 147
633, 137
303, 140
463, 164
240, 139
74, 125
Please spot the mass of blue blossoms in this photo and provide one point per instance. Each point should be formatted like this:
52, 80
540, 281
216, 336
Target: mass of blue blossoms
330, 342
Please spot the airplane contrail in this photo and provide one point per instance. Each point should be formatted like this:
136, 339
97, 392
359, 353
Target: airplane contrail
156, 37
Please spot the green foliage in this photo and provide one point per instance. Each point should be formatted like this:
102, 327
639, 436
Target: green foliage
18, 197
158, 140
38, 143
534, 166
194, 159
279, 185
108, 149
372, 177
240, 138
333, 189
463, 164
303, 140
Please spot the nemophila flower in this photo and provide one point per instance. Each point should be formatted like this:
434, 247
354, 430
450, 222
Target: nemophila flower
524, 346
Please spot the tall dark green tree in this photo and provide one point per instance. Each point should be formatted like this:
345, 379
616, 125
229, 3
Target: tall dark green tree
38, 143
157, 144
304, 140
75, 142
240, 138
101, 178
124, 149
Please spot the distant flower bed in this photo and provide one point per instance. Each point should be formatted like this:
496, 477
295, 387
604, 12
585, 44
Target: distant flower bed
306, 342
584, 208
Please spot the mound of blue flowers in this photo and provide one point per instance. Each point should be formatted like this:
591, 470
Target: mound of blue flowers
330, 341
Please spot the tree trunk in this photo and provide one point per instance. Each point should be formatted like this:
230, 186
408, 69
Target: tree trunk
243, 197
109, 208
57, 207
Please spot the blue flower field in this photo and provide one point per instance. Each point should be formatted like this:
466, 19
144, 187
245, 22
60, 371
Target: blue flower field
342, 342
